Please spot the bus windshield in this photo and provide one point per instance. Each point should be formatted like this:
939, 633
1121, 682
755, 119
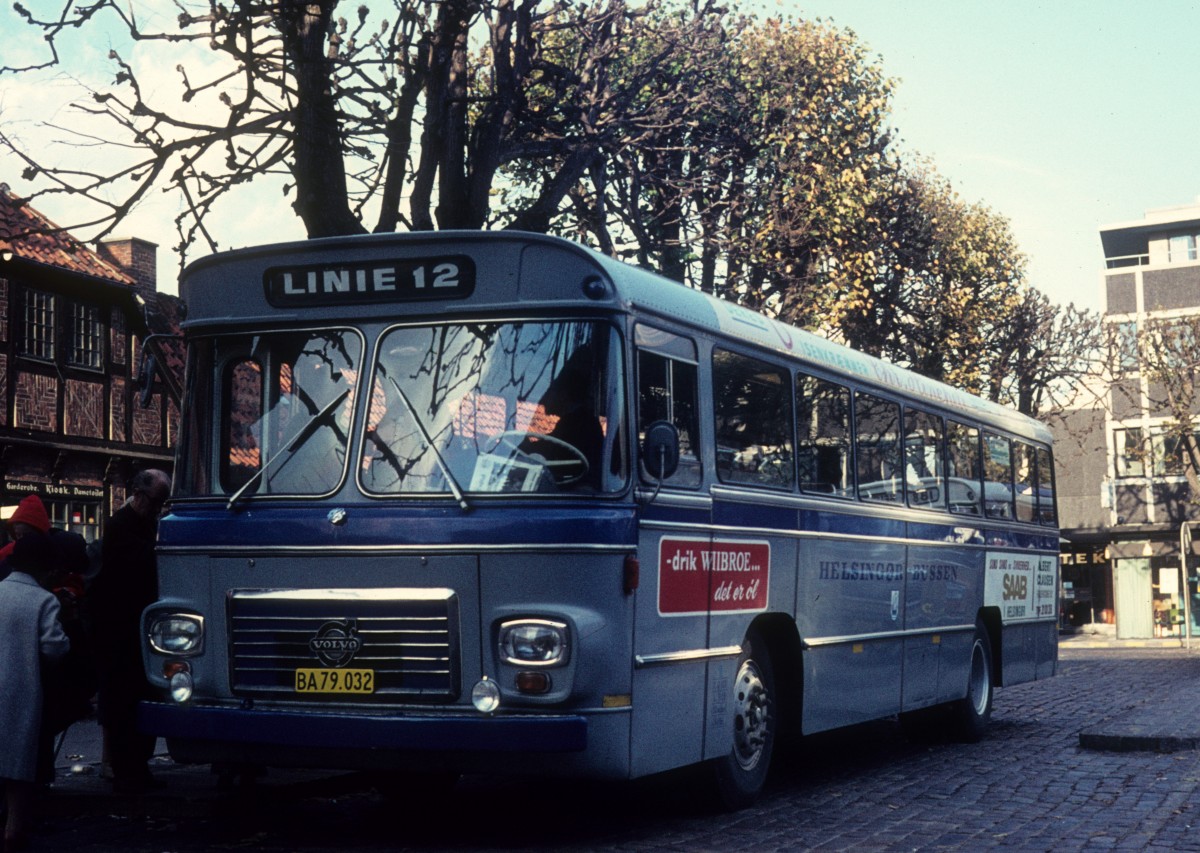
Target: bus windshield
486, 408
280, 408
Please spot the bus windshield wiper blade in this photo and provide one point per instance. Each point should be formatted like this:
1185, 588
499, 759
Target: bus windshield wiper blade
454, 486
294, 444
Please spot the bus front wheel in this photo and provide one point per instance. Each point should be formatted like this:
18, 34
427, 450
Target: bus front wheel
972, 713
739, 777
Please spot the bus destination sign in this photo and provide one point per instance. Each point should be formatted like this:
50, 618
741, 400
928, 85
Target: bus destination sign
451, 277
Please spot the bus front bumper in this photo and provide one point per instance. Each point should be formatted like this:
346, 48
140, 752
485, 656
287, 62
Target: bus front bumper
355, 731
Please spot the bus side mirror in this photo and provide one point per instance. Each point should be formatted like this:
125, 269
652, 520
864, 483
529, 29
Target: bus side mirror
660, 450
145, 379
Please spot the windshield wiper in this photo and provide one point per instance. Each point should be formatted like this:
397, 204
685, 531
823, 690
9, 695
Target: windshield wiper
454, 487
294, 444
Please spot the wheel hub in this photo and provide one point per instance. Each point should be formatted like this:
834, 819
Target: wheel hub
750, 721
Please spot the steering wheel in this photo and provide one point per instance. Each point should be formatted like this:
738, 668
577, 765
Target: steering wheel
514, 438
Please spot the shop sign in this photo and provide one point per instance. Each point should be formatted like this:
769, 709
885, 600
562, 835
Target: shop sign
60, 491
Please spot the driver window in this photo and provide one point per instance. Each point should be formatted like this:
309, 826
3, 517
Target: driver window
667, 390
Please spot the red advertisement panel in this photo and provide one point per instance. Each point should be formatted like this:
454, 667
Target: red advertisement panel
724, 576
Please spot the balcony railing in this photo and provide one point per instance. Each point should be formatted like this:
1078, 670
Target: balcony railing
1127, 261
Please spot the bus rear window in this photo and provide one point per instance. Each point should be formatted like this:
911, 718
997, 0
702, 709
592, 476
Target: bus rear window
1047, 512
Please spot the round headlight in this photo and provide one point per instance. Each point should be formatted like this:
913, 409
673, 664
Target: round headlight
181, 686
177, 634
485, 696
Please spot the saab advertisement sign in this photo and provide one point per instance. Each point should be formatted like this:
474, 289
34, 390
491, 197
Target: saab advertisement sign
1024, 587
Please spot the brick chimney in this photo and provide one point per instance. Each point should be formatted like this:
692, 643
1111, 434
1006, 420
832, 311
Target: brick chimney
138, 258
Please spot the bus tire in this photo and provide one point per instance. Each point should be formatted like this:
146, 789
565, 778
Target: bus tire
971, 714
738, 778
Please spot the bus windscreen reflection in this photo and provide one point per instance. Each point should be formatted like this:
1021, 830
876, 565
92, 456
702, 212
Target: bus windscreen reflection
495, 409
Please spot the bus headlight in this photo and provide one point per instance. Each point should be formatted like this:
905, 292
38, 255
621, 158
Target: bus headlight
534, 642
177, 634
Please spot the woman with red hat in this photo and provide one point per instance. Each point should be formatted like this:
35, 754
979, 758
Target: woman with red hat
30, 516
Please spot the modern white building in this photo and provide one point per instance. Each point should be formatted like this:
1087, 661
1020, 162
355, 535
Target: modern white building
1125, 522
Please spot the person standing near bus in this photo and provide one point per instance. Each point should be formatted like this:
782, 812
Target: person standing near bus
126, 584
30, 635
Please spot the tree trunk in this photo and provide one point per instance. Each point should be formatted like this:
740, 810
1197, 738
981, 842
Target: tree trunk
322, 201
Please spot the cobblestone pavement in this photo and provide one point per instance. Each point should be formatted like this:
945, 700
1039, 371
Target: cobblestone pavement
1028, 786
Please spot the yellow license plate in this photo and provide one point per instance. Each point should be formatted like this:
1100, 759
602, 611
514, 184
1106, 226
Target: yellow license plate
335, 681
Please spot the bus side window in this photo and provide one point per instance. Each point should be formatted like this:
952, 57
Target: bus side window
667, 392
1047, 513
1025, 469
997, 476
823, 445
877, 448
753, 408
964, 469
923, 455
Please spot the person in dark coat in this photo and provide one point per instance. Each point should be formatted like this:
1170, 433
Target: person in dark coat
30, 636
69, 685
126, 585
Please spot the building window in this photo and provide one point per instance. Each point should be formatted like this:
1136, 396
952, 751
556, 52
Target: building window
1129, 448
1170, 453
82, 517
1126, 344
38, 340
1181, 248
87, 335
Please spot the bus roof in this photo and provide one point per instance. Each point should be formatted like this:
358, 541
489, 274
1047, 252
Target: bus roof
210, 287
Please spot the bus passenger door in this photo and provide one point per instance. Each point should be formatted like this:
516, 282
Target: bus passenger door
671, 613
671, 635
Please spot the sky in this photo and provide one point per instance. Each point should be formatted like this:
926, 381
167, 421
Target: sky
1060, 116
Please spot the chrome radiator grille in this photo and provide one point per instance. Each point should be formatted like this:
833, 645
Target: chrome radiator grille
408, 637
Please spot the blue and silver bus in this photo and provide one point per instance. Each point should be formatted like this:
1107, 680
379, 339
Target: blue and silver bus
492, 502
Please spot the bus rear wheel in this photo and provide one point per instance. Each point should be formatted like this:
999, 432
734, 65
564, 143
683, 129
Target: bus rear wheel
971, 714
738, 778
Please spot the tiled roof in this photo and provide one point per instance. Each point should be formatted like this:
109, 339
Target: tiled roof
164, 313
32, 237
